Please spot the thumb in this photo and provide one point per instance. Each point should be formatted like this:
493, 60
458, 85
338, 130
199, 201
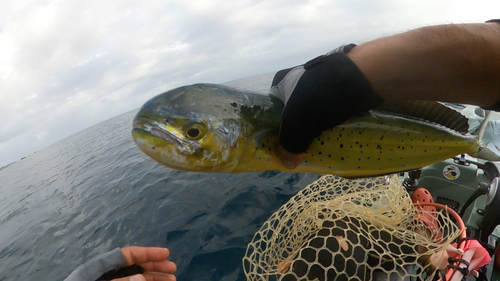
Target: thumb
290, 160
137, 277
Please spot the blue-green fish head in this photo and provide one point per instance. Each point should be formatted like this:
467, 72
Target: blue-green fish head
195, 128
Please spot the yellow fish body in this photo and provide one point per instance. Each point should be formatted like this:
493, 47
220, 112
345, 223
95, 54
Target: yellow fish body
215, 128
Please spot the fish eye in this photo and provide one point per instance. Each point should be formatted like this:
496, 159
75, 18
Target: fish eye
194, 131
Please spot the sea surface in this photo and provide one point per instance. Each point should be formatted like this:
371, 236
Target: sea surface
95, 191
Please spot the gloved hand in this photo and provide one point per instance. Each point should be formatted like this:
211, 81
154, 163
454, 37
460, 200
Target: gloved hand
319, 95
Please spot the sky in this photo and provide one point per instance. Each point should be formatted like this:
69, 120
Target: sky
68, 65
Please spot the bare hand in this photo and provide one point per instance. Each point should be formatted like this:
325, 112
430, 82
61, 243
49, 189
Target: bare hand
153, 260
290, 160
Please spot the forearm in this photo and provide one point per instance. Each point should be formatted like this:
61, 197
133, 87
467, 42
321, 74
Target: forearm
456, 63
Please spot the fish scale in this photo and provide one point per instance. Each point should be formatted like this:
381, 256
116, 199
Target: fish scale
238, 132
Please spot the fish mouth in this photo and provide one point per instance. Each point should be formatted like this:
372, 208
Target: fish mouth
168, 135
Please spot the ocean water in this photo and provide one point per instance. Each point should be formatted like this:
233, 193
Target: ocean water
95, 191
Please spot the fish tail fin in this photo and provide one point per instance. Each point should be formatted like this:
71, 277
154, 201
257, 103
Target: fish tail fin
484, 152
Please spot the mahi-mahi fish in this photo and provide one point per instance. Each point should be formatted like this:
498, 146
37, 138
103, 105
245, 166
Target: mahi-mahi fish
216, 128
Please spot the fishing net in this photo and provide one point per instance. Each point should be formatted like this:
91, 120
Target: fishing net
340, 229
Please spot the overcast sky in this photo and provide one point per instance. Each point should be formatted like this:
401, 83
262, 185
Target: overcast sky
67, 65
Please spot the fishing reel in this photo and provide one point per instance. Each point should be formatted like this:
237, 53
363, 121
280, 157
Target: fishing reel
491, 213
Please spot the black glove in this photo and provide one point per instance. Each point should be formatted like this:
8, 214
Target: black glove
122, 272
319, 95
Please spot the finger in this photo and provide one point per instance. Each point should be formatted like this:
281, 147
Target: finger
137, 277
138, 255
290, 160
159, 277
163, 266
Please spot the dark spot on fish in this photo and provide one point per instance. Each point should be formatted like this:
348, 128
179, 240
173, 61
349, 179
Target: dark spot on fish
263, 145
359, 159
233, 104
305, 161
329, 155
439, 148
425, 150
329, 167
359, 167
341, 158
399, 147
350, 146
378, 159
269, 149
320, 160
361, 151
390, 159
382, 138
319, 152
357, 142
341, 146
153, 148
368, 158
379, 147
322, 143
360, 146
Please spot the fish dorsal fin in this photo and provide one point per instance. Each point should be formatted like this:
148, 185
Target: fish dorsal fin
431, 111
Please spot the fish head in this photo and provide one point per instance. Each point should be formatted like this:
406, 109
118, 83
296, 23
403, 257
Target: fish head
193, 128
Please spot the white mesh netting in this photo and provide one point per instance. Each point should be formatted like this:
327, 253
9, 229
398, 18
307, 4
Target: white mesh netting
340, 229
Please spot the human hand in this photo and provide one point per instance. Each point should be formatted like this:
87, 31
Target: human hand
319, 95
290, 160
152, 260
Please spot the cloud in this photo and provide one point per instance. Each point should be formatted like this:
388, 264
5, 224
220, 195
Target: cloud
67, 65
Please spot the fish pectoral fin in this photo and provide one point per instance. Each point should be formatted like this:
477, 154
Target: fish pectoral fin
267, 137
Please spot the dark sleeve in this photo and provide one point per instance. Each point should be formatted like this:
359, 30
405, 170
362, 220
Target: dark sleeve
97, 266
